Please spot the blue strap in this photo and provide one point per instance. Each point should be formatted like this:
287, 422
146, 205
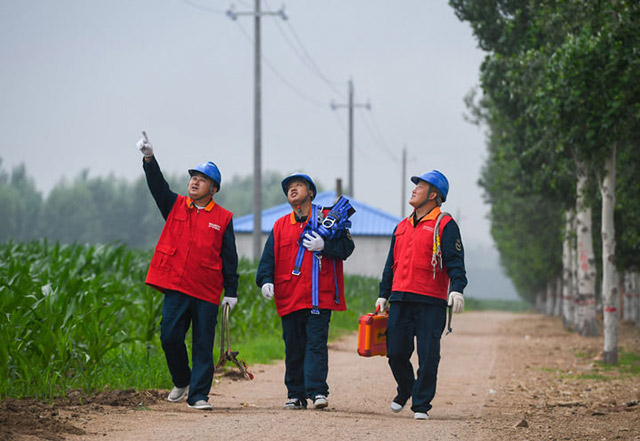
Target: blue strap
337, 219
312, 225
315, 271
335, 282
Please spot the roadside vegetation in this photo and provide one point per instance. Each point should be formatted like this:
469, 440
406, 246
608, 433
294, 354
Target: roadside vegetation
80, 317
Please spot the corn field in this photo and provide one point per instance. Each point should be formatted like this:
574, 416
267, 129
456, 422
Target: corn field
80, 316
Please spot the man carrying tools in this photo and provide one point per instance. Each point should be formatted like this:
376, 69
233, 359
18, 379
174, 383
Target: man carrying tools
301, 268
194, 261
424, 264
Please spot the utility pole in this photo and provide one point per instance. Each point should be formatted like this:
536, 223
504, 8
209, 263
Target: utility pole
350, 106
257, 122
404, 180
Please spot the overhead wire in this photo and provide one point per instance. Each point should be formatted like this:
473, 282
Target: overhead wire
305, 57
203, 8
377, 137
279, 75
372, 127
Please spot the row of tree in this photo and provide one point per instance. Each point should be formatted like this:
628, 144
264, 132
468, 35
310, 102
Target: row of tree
105, 210
561, 101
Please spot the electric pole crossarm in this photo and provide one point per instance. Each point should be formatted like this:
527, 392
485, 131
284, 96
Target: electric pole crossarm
233, 15
351, 105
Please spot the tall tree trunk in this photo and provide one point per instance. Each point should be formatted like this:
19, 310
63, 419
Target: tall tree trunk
586, 323
574, 272
567, 279
551, 296
610, 299
636, 297
540, 301
557, 312
627, 296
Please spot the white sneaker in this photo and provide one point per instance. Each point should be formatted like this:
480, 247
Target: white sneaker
201, 405
295, 403
395, 407
177, 394
420, 416
320, 402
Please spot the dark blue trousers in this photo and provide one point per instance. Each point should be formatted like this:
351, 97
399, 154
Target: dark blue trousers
179, 311
306, 353
425, 323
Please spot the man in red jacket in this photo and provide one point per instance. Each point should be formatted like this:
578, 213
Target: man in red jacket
425, 264
305, 279
194, 261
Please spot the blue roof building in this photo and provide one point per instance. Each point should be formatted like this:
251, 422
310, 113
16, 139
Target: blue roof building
367, 220
371, 231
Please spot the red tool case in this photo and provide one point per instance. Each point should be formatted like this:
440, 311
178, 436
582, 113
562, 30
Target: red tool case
372, 337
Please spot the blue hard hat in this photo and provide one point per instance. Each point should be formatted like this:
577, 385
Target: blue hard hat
435, 178
288, 179
210, 170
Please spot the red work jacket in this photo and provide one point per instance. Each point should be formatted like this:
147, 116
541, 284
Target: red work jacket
187, 257
293, 293
412, 253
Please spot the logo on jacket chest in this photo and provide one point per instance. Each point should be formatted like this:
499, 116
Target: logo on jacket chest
214, 226
427, 227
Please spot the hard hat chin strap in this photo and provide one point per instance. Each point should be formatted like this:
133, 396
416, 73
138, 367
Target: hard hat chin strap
426, 199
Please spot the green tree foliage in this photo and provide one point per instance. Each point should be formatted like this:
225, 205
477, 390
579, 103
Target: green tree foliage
21, 205
92, 210
559, 86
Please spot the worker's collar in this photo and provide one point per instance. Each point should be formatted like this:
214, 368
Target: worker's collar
209, 207
432, 215
294, 219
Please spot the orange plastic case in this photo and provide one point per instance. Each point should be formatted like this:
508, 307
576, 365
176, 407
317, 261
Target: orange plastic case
372, 338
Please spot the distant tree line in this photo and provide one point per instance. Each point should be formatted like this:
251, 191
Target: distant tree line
106, 209
561, 101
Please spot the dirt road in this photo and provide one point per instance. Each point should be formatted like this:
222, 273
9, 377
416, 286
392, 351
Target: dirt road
502, 377
361, 390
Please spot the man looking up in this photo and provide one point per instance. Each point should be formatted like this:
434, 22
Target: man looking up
418, 275
194, 261
289, 270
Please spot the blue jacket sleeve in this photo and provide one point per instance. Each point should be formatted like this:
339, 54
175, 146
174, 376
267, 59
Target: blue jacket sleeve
339, 248
267, 265
159, 187
453, 256
229, 257
387, 272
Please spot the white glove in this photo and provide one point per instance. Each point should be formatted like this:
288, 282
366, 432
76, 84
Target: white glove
145, 147
231, 301
267, 291
381, 303
457, 301
313, 241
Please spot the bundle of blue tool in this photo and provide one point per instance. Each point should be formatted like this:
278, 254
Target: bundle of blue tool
336, 220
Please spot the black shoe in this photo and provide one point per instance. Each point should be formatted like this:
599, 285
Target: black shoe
295, 403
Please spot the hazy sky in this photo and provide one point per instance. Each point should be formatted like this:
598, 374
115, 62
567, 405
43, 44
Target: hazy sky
80, 79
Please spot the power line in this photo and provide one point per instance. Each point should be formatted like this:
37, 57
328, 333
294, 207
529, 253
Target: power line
377, 137
203, 8
281, 77
306, 58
